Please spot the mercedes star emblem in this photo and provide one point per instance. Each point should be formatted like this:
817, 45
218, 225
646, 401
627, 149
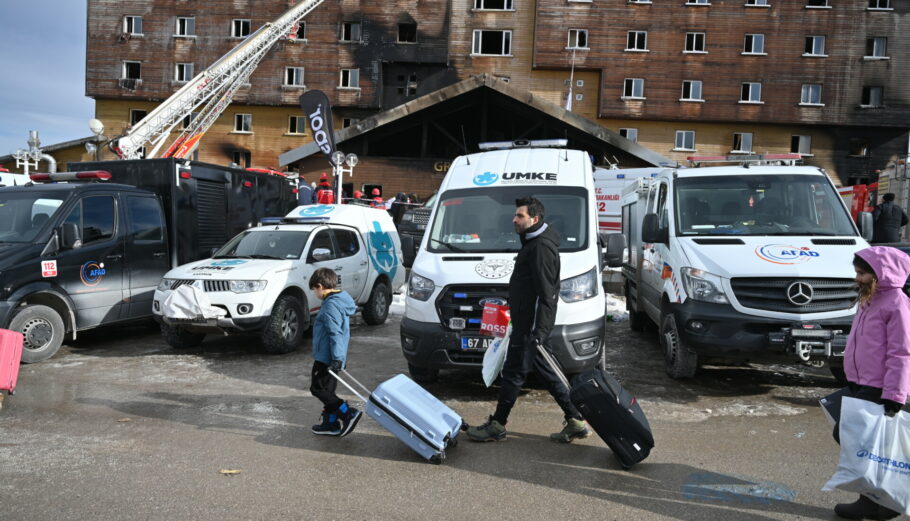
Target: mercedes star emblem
799, 293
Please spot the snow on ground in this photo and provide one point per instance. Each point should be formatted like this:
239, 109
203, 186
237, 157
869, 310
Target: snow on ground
397, 306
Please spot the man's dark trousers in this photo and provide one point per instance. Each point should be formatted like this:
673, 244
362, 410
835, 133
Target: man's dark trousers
521, 358
323, 385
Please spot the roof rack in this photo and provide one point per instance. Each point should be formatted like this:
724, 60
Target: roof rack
523, 143
748, 159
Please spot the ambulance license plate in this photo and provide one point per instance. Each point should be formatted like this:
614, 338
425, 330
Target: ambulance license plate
475, 343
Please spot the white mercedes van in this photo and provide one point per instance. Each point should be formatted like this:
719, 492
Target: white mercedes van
466, 256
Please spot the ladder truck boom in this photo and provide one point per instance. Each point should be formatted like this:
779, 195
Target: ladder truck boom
213, 89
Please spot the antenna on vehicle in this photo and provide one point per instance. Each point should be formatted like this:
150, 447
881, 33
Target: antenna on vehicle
565, 134
464, 143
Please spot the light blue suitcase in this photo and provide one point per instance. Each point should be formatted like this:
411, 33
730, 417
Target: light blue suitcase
411, 413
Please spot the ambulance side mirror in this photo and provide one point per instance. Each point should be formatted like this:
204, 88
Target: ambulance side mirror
408, 250
651, 230
865, 225
69, 236
616, 247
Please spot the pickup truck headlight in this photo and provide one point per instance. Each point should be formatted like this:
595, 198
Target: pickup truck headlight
581, 287
704, 286
419, 287
165, 284
247, 286
407, 217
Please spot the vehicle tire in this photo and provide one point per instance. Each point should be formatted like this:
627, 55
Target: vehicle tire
680, 361
636, 318
43, 330
284, 330
837, 371
376, 310
180, 338
423, 375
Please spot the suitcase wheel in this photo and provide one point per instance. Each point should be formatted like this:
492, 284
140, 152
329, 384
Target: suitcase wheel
436, 459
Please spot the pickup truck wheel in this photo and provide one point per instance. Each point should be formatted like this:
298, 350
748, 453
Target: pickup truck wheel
180, 338
376, 310
423, 375
43, 330
636, 318
680, 361
284, 330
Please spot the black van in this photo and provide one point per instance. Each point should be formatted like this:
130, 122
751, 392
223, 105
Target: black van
89, 247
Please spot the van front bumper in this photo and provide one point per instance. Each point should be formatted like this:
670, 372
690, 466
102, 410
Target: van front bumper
578, 347
718, 331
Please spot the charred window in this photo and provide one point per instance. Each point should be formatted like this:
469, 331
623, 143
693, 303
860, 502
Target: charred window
407, 33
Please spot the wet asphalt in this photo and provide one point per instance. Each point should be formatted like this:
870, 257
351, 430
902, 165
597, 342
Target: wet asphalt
119, 425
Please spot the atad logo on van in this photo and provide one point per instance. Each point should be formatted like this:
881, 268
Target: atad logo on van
486, 178
786, 254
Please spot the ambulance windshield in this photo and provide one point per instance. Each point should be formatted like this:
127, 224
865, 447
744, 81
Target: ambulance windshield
480, 220
24, 214
759, 205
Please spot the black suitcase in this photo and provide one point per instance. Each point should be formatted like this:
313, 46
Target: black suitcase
611, 411
614, 414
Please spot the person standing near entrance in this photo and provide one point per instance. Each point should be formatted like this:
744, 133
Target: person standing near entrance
888, 218
304, 192
533, 295
324, 193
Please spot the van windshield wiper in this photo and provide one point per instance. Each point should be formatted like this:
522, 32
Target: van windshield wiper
449, 245
263, 256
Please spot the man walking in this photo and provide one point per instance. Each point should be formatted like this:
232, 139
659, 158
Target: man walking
888, 219
533, 295
304, 192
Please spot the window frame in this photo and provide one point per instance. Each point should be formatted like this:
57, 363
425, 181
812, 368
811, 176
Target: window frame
416, 33
808, 140
886, 7
134, 118
694, 37
298, 78
741, 137
346, 30
129, 25
754, 3
234, 31
578, 32
508, 5
125, 70
698, 2
751, 85
684, 134
875, 48
184, 66
638, 35
753, 52
823, 6
626, 131
806, 101
814, 38
640, 82
870, 89
189, 28
241, 120
477, 42
691, 84
353, 79
301, 125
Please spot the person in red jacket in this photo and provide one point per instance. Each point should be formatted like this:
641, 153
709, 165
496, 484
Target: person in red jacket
324, 192
877, 356
377, 200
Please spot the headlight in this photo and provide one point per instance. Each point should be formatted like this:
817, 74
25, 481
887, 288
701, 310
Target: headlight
165, 284
247, 286
704, 286
420, 287
579, 288
407, 217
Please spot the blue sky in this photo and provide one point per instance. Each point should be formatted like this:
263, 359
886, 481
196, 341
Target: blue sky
42, 86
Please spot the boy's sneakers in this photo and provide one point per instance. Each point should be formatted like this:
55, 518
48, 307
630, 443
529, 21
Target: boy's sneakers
349, 417
492, 430
329, 425
573, 429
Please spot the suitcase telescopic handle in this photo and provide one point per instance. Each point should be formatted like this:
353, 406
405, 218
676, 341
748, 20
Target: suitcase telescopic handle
346, 384
554, 364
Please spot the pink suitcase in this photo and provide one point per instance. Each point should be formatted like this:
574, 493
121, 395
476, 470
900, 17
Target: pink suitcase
10, 356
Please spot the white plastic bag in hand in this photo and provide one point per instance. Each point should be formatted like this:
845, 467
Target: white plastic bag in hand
495, 357
874, 454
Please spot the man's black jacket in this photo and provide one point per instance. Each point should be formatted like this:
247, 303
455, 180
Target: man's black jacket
534, 285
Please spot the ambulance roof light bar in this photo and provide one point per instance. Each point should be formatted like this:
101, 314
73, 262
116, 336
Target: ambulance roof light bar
745, 159
89, 175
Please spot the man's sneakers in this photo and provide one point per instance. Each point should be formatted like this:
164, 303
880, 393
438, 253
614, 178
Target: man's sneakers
492, 430
864, 508
329, 425
574, 429
349, 417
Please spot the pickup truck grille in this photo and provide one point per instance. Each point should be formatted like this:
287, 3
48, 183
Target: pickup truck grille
210, 286
770, 294
421, 216
463, 301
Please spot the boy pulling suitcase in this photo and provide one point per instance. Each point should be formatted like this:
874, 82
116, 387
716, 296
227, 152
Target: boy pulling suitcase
331, 335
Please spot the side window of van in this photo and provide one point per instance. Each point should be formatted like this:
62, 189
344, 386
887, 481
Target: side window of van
97, 219
145, 218
323, 240
347, 243
661, 208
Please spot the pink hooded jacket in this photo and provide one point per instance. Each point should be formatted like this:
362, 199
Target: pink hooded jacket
878, 348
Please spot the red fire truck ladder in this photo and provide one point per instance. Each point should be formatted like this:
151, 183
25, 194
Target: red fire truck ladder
207, 94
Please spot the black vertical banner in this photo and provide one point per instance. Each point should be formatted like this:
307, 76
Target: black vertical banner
318, 110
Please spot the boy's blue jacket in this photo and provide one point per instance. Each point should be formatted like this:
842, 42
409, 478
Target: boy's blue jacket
332, 329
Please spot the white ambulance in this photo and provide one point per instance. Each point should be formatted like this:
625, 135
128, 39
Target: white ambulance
467, 255
740, 263
609, 184
259, 281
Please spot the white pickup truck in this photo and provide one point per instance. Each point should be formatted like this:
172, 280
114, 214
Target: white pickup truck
258, 281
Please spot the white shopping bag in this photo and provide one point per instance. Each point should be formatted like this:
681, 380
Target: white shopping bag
495, 357
874, 454
190, 302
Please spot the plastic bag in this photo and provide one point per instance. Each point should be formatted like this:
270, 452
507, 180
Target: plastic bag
874, 454
495, 319
190, 302
495, 357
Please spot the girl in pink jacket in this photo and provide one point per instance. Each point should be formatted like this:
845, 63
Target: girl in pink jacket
877, 357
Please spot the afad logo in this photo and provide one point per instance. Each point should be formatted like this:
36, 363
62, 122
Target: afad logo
92, 273
786, 254
486, 178
314, 211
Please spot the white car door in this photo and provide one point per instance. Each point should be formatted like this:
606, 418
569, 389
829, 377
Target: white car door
352, 262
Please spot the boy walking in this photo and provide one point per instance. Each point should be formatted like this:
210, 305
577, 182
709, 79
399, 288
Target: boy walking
331, 334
